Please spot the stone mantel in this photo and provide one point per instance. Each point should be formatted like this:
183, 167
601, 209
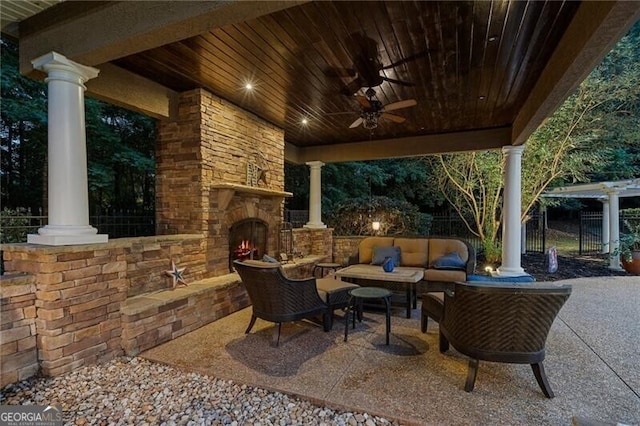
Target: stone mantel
228, 190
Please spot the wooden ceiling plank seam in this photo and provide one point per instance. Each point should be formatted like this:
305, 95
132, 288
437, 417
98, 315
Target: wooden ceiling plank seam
508, 40
518, 50
329, 90
495, 20
541, 50
518, 81
480, 46
389, 43
215, 54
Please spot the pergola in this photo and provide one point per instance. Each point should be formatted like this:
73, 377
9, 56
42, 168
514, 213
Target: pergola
484, 75
608, 193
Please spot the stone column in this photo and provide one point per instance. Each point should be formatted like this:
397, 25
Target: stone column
68, 192
614, 229
315, 195
512, 212
605, 226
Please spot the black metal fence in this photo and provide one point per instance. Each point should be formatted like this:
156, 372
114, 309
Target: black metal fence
451, 225
297, 218
16, 224
590, 241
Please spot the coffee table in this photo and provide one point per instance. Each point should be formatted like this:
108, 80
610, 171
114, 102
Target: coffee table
402, 278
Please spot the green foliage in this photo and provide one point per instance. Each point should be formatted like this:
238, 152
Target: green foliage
120, 146
492, 250
13, 225
397, 217
593, 134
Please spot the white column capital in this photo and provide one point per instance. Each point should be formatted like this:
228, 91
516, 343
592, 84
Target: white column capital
513, 149
314, 164
58, 67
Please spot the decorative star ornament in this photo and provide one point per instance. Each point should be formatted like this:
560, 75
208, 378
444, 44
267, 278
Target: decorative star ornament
176, 274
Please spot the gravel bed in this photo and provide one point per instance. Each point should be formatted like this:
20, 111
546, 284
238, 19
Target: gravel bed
134, 391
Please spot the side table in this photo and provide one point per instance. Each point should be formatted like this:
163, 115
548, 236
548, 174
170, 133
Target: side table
358, 295
325, 268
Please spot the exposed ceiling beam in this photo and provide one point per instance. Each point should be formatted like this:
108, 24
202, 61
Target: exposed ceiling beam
96, 34
413, 146
594, 30
128, 90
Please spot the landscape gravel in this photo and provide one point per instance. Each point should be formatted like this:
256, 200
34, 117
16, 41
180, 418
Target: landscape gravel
134, 391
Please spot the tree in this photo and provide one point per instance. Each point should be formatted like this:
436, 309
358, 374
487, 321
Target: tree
584, 138
120, 146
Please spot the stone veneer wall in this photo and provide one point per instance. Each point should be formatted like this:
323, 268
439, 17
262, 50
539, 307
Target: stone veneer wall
210, 143
18, 350
318, 242
344, 247
78, 291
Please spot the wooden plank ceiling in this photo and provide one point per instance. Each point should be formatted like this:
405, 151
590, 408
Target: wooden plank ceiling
470, 65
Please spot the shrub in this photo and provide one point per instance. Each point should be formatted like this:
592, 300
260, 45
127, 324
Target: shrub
396, 217
14, 225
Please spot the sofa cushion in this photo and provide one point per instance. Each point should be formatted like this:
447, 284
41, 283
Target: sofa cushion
439, 247
380, 253
445, 275
365, 250
449, 261
413, 251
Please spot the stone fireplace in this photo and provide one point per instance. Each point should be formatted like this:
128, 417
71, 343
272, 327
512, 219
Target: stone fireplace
220, 170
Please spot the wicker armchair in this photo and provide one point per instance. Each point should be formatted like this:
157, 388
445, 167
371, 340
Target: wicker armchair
501, 323
279, 299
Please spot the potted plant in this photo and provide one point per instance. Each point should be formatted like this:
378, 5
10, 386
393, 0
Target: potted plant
629, 248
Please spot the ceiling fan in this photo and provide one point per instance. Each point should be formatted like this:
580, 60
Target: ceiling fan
371, 110
367, 67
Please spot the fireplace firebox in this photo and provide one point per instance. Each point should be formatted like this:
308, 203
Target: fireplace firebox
247, 240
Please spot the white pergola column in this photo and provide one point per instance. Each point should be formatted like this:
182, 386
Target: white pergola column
68, 192
614, 229
512, 212
315, 195
605, 226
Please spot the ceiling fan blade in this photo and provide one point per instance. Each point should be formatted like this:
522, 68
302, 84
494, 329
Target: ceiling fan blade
400, 104
340, 72
364, 102
356, 123
393, 117
407, 59
352, 87
401, 83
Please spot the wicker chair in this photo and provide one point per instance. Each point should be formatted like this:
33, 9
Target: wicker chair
279, 299
501, 323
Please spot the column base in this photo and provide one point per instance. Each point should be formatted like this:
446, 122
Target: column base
508, 272
67, 240
315, 225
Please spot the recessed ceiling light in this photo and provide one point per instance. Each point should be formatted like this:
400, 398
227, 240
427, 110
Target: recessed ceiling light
493, 38
305, 121
481, 97
248, 86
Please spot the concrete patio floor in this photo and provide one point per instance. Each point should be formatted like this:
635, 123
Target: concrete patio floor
592, 363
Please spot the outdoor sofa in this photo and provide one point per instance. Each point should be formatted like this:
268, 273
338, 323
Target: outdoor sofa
445, 260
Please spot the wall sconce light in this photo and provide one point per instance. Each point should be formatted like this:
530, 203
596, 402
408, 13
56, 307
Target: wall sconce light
375, 225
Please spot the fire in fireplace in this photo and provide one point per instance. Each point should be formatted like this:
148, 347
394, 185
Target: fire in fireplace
247, 240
